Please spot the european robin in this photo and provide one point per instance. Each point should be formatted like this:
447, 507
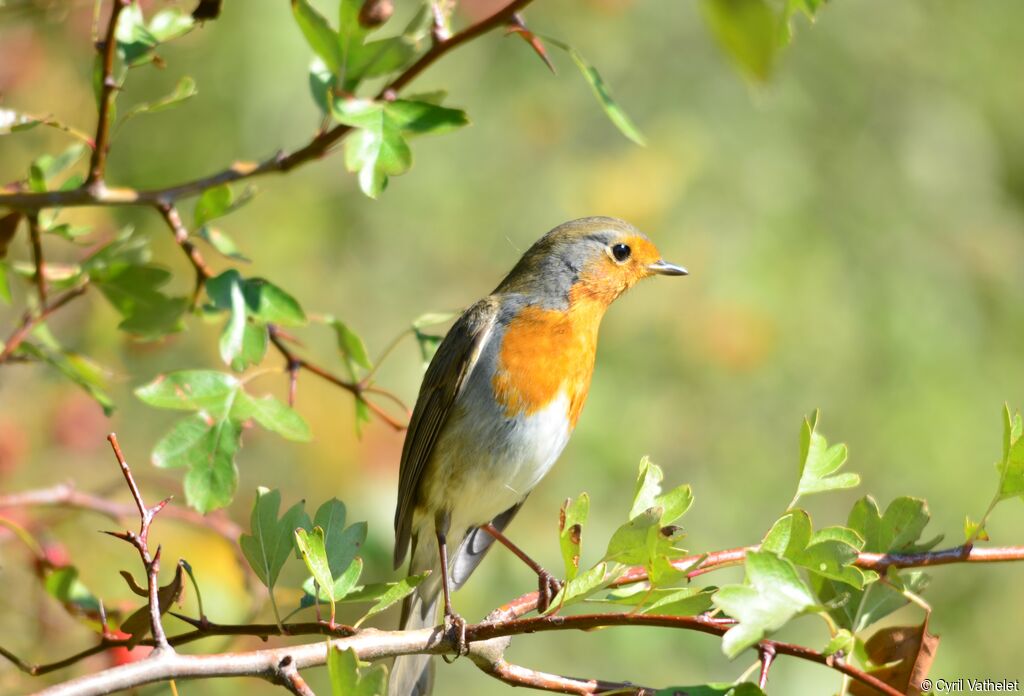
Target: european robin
497, 405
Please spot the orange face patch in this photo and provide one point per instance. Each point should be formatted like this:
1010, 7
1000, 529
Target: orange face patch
546, 351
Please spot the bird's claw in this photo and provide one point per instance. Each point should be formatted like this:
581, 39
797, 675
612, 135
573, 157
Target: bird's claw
548, 588
455, 631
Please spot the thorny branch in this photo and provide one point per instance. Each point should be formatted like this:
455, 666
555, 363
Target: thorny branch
140, 540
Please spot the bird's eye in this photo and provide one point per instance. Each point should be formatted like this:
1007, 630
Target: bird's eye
621, 252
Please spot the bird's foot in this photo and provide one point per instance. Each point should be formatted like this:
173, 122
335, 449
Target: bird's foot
548, 588
455, 631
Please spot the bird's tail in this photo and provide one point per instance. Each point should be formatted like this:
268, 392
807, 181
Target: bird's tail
413, 675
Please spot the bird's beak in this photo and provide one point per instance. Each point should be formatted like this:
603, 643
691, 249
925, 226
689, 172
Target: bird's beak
662, 267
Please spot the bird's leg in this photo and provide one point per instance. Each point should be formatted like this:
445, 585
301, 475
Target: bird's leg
547, 585
453, 622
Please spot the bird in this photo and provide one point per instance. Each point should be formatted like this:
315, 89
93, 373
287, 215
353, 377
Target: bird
498, 402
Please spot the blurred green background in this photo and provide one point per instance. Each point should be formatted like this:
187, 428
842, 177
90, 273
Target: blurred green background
854, 231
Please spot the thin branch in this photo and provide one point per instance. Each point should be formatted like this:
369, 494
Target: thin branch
517, 675
319, 146
66, 495
141, 542
30, 321
35, 234
108, 88
172, 217
293, 364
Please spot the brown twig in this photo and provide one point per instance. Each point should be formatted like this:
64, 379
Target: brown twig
66, 495
172, 217
293, 364
319, 146
30, 321
140, 541
108, 88
35, 234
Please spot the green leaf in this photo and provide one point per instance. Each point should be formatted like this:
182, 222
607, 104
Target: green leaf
192, 390
170, 24
342, 669
342, 544
213, 203
5, 285
378, 58
973, 530
135, 42
265, 302
311, 546
273, 415
819, 463
1011, 468
269, 542
199, 441
772, 595
685, 601
64, 585
748, 31
428, 344
647, 494
134, 291
830, 552
582, 586
12, 121
898, 530
222, 243
432, 319
570, 532
341, 586
318, 34
255, 340
600, 89
377, 149
47, 167
76, 367
423, 118
842, 642
393, 593
233, 334
628, 544
353, 350
321, 84
185, 89
212, 478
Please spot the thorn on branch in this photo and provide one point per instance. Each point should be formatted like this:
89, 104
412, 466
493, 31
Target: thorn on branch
767, 653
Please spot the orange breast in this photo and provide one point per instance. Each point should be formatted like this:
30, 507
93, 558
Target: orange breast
545, 352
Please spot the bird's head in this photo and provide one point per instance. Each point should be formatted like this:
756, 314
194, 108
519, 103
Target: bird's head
594, 258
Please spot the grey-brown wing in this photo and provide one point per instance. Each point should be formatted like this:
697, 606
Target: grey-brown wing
454, 361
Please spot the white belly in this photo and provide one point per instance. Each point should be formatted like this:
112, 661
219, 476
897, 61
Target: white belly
480, 482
